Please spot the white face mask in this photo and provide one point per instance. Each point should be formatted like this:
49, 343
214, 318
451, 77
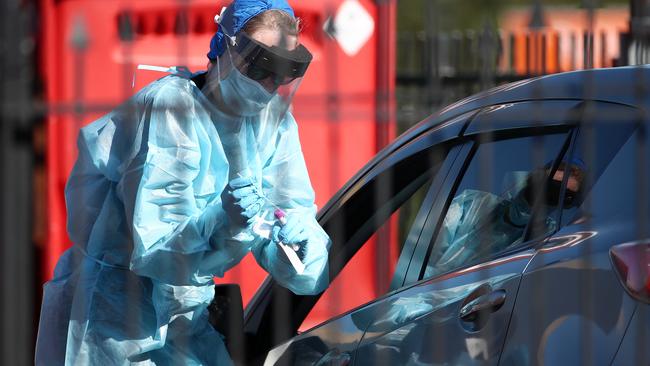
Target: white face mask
242, 95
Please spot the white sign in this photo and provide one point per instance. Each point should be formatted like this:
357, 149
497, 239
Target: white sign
353, 26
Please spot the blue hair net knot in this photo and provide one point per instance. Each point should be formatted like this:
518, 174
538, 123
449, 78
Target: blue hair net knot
235, 17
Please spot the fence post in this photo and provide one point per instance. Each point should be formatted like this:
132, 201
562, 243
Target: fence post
17, 250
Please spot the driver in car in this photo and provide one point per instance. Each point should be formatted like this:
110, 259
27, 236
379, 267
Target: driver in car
479, 223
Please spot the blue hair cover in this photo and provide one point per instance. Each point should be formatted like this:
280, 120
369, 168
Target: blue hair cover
235, 17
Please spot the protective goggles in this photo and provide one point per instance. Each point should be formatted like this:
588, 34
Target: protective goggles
281, 65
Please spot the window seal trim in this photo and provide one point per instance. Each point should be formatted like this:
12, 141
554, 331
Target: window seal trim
408, 251
428, 231
454, 181
257, 311
566, 151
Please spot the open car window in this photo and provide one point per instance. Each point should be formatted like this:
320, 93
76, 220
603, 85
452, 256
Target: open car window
490, 211
371, 229
359, 211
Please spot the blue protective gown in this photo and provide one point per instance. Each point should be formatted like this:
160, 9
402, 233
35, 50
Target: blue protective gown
149, 232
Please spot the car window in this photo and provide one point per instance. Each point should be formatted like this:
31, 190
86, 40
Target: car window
492, 205
382, 213
607, 127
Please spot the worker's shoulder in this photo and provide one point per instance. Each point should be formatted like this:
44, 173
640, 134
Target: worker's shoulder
169, 92
169, 88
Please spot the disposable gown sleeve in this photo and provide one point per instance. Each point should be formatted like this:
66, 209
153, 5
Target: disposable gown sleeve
172, 215
286, 184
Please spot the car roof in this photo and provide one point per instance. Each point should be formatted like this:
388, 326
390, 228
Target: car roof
623, 85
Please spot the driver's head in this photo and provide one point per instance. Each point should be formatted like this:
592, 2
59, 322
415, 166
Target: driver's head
539, 184
575, 180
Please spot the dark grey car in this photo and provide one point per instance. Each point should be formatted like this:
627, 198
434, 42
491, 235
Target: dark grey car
567, 283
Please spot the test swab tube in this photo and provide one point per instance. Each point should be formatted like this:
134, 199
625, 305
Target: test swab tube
289, 251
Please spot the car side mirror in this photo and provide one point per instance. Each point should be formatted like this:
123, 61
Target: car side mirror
227, 317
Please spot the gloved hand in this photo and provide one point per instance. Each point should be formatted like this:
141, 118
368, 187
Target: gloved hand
294, 233
242, 200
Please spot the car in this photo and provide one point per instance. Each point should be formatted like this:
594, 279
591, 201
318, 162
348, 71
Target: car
569, 285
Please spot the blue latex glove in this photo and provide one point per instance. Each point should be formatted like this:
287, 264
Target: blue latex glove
242, 200
295, 233
300, 231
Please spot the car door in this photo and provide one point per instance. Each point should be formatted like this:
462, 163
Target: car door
459, 313
382, 210
571, 308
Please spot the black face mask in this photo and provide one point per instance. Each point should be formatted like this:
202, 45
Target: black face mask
538, 182
553, 188
571, 198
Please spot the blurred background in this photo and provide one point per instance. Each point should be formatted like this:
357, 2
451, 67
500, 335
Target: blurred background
379, 68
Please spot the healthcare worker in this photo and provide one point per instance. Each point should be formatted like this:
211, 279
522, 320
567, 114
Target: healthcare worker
167, 192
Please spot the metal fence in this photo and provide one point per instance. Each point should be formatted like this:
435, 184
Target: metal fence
19, 117
434, 69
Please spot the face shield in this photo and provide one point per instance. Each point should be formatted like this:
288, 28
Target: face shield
258, 75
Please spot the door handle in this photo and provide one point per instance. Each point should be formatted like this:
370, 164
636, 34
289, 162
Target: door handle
487, 303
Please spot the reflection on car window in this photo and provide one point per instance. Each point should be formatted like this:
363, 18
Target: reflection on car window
407, 213
492, 207
616, 196
368, 273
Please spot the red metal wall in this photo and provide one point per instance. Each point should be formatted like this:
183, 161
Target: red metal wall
335, 105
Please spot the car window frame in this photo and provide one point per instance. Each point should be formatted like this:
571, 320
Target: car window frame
579, 131
418, 267
463, 150
257, 314
422, 144
406, 253
573, 123
450, 166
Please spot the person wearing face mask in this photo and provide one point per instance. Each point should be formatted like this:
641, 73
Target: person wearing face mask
479, 224
165, 194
